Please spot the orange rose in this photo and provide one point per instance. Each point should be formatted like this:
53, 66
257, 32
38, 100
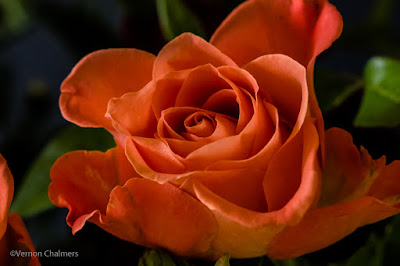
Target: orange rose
220, 145
13, 235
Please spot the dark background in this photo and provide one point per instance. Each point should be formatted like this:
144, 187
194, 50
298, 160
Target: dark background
36, 56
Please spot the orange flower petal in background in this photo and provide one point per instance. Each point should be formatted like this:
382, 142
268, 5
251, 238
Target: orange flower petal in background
97, 78
13, 234
6, 195
360, 196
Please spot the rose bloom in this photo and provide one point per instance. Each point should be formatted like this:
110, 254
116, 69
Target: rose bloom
221, 145
13, 235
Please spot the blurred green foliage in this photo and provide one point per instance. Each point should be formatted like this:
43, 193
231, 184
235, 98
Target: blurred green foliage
175, 18
380, 105
13, 18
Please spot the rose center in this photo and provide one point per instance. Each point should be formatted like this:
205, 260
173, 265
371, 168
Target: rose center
200, 124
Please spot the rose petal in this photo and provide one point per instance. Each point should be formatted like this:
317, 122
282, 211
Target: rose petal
172, 219
223, 102
282, 80
348, 174
153, 159
242, 187
82, 181
324, 226
6, 193
97, 78
387, 185
167, 89
288, 171
177, 123
185, 52
132, 114
246, 88
183, 147
315, 111
300, 29
199, 85
261, 159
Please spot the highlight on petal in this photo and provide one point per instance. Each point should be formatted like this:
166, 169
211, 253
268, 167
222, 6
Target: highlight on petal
298, 28
82, 182
188, 51
97, 78
6, 194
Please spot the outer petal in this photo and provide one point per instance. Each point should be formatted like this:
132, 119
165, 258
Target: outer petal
97, 78
82, 182
348, 174
141, 211
188, 51
6, 193
16, 238
387, 185
300, 29
359, 191
159, 215
325, 226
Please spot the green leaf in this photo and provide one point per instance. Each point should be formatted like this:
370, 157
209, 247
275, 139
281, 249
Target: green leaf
175, 18
332, 89
380, 106
224, 260
156, 257
32, 196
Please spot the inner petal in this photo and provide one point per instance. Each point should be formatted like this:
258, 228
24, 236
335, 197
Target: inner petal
223, 102
200, 124
199, 85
